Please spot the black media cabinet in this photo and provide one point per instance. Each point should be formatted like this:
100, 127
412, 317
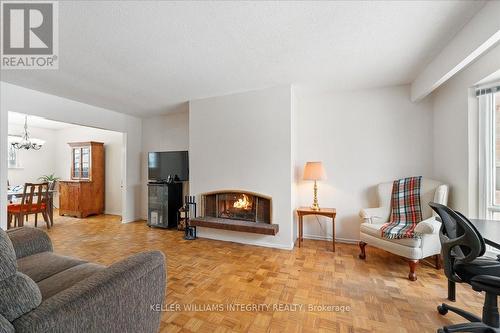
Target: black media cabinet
164, 201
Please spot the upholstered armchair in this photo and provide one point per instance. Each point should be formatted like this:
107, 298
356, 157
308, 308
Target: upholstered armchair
413, 249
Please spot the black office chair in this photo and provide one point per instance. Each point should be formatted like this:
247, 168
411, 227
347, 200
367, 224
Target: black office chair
461, 247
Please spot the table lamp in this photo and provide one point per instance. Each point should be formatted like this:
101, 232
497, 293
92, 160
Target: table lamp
314, 171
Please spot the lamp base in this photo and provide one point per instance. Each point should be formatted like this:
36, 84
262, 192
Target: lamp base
315, 207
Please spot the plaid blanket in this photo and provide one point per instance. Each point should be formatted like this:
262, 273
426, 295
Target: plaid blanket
406, 209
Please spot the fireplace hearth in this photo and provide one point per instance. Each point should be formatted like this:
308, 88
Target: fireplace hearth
237, 211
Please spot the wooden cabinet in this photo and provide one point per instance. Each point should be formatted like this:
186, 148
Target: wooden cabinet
83, 195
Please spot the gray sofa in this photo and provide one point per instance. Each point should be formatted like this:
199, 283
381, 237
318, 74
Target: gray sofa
41, 291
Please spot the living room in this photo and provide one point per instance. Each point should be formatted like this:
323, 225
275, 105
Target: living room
322, 144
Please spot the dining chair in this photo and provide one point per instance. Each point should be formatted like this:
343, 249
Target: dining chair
35, 200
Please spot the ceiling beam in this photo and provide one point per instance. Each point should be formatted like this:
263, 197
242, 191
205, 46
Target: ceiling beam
476, 37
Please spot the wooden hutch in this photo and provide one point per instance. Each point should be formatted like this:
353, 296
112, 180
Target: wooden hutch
83, 195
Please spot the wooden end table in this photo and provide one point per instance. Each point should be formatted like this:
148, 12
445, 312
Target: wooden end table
328, 212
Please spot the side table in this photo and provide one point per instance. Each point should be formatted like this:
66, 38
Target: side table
328, 212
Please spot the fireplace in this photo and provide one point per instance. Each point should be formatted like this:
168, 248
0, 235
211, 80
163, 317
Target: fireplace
236, 210
237, 205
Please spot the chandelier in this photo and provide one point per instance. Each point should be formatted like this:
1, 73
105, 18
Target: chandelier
25, 142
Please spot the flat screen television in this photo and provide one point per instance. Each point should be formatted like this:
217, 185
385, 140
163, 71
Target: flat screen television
168, 163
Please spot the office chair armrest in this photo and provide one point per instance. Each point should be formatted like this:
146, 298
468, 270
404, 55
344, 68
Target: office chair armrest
375, 215
428, 226
487, 283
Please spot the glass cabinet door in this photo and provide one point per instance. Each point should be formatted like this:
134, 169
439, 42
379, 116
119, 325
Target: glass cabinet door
81, 162
85, 162
76, 162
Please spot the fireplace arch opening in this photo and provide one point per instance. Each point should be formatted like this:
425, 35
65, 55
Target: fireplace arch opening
237, 205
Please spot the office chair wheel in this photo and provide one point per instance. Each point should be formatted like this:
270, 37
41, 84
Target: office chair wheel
442, 310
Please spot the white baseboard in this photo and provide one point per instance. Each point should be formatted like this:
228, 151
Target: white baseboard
337, 239
250, 242
112, 213
137, 219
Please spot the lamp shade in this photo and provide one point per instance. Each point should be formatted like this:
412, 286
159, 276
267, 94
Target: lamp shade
314, 171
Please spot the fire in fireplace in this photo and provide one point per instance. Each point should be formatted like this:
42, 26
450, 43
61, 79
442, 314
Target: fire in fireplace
236, 205
243, 203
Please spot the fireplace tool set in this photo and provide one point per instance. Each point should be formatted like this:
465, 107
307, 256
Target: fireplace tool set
184, 217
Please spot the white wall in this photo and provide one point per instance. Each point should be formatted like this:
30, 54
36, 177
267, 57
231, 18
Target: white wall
162, 133
113, 153
23, 100
455, 132
243, 141
34, 163
363, 138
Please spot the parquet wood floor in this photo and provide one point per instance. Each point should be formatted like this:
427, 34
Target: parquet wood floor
380, 297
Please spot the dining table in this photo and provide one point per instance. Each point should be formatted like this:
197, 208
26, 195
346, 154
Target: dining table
15, 194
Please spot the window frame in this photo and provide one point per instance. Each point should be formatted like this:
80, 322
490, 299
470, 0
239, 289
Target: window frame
487, 156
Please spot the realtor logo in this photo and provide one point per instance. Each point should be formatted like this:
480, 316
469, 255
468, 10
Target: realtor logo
29, 35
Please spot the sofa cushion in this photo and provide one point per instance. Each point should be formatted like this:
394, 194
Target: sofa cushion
8, 265
19, 295
373, 229
43, 265
67, 278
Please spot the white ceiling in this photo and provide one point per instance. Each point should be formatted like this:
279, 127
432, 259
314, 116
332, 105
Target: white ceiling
146, 57
16, 118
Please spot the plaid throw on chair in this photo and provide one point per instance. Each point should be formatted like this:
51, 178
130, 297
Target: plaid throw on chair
406, 209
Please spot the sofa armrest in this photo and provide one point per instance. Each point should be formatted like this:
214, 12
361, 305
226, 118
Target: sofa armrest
428, 226
375, 215
28, 241
128, 296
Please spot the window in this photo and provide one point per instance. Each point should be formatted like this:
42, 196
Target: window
489, 152
13, 158
496, 198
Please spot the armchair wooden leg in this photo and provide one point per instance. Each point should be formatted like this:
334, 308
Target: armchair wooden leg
362, 246
412, 276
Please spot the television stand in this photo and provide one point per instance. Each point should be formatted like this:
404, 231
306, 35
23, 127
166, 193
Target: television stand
164, 201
